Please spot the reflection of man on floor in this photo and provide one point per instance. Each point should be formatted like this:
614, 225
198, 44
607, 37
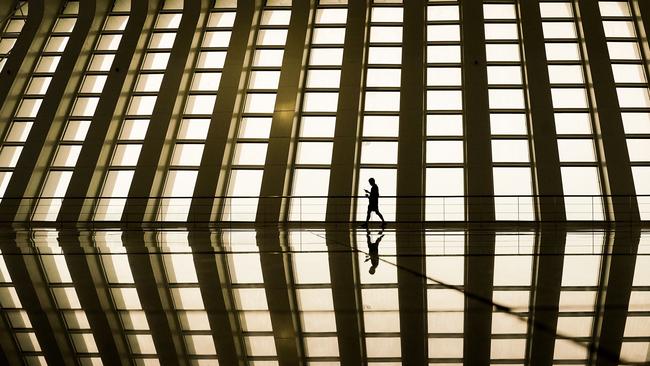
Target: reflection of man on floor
373, 251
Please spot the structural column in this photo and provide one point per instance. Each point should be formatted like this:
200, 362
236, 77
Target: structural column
211, 178
155, 298
346, 132
87, 173
211, 272
410, 155
345, 295
94, 296
154, 149
608, 125
15, 74
277, 169
479, 279
547, 175
546, 299
479, 184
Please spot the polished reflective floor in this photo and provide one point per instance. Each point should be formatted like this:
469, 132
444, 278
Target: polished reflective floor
334, 295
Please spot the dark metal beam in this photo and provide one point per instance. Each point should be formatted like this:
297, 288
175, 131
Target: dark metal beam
608, 124
479, 184
547, 175
87, 175
211, 271
222, 130
154, 297
344, 152
347, 303
84, 265
146, 181
281, 147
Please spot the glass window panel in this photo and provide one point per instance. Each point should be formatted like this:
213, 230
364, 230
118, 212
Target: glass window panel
260, 103
572, 150
380, 126
383, 78
93, 84
29, 108
614, 8
508, 124
314, 153
512, 151
56, 44
512, 181
569, 98
444, 100
445, 182
134, 129
445, 125
155, 61
619, 28
9, 156
116, 23
19, 131
142, 105
67, 155
211, 60
271, 58
194, 129
264, 79
502, 52
317, 126
386, 15
320, 102
331, 16
442, 13
324, 57
312, 182
572, 123
162, 40
438, 54
624, 73
323, 78
49, 63
275, 17
250, 154
494, 31
38, 85
382, 101
271, 37
217, 39
255, 127
499, 11
386, 179
562, 52
385, 34
559, 30
328, 36
85, 107
443, 33
187, 154
636, 122
506, 99
200, 104
445, 152
623, 50
504, 75
633, 97
580, 181
206, 81
378, 152
555, 10
444, 76
222, 19
126, 154
638, 149
109, 42
565, 74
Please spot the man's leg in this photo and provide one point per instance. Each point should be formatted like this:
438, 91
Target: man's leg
368, 215
380, 216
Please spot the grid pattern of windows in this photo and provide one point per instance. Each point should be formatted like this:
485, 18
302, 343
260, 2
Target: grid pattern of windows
17, 319
126, 149
30, 101
508, 118
65, 297
630, 77
79, 119
126, 301
255, 126
444, 125
183, 282
12, 30
636, 337
573, 121
381, 105
316, 130
445, 265
193, 129
379, 296
247, 281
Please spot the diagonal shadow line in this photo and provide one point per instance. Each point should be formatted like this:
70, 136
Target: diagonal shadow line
591, 348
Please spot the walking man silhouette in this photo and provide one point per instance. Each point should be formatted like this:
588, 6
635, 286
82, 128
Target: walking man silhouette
373, 201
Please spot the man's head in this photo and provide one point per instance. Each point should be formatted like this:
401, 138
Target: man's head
371, 181
371, 270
